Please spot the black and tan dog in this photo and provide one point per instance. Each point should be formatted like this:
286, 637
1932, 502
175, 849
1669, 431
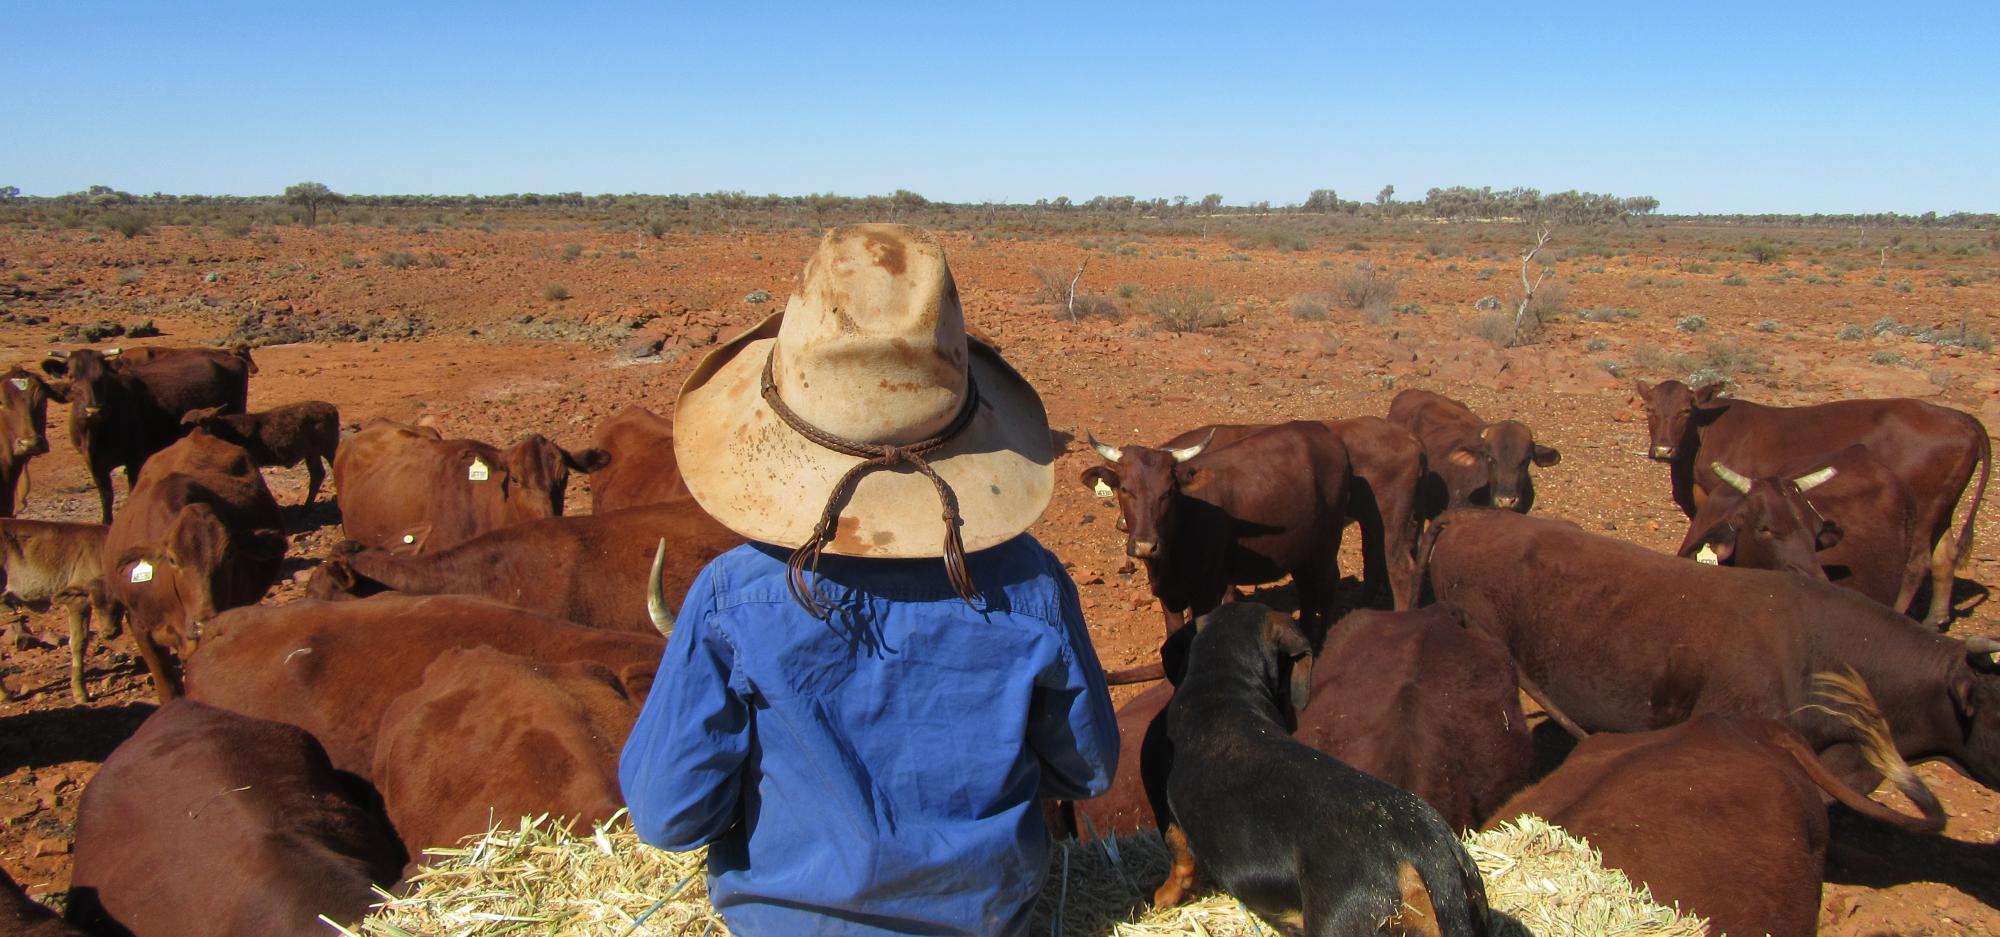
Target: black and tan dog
1292, 832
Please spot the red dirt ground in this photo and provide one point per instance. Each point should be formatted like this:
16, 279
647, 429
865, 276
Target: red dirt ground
497, 358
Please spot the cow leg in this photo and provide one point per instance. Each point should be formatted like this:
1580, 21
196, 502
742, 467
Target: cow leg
101, 477
315, 474
79, 639
1944, 563
166, 678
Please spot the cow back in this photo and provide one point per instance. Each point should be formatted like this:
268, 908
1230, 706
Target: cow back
333, 668
1419, 701
1709, 815
643, 469
206, 823
546, 735
403, 488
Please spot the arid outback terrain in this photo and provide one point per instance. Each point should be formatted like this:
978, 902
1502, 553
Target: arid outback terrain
493, 333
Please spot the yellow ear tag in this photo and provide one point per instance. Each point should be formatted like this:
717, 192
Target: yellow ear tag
478, 472
1103, 490
409, 538
20, 383
113, 352
142, 571
1706, 555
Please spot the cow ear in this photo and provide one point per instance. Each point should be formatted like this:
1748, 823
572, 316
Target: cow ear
194, 417
1462, 457
55, 367
197, 536
1099, 475
58, 391
1644, 390
1546, 456
638, 681
1706, 394
587, 461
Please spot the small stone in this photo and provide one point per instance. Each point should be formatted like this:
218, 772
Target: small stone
39, 846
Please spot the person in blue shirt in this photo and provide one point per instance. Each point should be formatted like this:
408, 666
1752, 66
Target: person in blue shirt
859, 709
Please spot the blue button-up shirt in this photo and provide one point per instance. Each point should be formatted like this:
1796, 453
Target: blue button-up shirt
876, 772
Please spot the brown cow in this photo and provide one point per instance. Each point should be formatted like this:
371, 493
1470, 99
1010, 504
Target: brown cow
1618, 638
199, 534
206, 823
333, 668
1413, 698
1388, 465
591, 570
24, 424
1269, 504
1471, 461
549, 734
308, 431
1720, 815
640, 466
124, 408
404, 488
22, 916
1932, 449
1844, 518
59, 563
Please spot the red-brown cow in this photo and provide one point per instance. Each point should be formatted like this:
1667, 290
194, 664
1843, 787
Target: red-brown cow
44, 563
199, 534
1471, 461
1388, 465
24, 424
592, 570
1721, 816
124, 408
404, 488
1270, 504
333, 668
1844, 518
558, 726
1932, 449
1413, 698
206, 823
308, 431
640, 468
1618, 638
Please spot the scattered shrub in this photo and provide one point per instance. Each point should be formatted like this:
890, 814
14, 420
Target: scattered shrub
1497, 328
1768, 325
1309, 308
1486, 273
1853, 333
1596, 344
555, 292
436, 260
1691, 323
1092, 306
1547, 303
1128, 290
400, 260
1612, 368
656, 227
571, 252
1051, 286
1735, 279
1904, 286
1698, 268
130, 275
1368, 286
1730, 359
1186, 310
756, 297
1356, 247
628, 255
1607, 315
129, 224
236, 228
1763, 251
1411, 309
1891, 358
349, 262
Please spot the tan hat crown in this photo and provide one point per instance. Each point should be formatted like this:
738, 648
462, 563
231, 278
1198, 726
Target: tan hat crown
873, 344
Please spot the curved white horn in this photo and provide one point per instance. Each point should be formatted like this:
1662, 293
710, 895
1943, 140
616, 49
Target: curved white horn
1182, 455
656, 602
1982, 645
1735, 481
1814, 480
1108, 453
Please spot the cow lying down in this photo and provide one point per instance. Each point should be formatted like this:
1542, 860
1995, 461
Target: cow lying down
206, 823
1618, 638
591, 569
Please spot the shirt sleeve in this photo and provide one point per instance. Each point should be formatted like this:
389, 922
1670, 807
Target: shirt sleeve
1072, 724
681, 771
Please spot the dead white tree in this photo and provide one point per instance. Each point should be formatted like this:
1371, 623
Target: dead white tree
1072, 290
1528, 289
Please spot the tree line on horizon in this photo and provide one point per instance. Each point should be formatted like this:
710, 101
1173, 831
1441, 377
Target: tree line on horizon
1453, 203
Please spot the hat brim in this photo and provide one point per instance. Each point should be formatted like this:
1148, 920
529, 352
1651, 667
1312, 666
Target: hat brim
761, 479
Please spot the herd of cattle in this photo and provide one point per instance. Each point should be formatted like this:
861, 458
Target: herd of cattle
470, 654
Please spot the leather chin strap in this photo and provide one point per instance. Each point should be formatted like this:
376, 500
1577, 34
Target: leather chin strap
806, 558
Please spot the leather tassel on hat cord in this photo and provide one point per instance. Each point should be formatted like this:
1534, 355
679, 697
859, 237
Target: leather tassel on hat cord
806, 557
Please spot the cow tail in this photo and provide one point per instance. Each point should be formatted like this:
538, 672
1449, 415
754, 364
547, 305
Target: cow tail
1845, 697
1978, 494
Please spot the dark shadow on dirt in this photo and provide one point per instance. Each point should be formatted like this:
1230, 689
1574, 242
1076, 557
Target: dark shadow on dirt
1877, 855
76, 733
306, 518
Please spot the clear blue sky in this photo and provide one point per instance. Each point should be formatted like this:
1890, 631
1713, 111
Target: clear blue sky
1711, 107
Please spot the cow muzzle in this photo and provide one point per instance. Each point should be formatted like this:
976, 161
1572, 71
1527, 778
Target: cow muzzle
1662, 453
1142, 549
92, 411
30, 447
1506, 502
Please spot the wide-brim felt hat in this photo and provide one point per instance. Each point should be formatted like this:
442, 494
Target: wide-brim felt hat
872, 349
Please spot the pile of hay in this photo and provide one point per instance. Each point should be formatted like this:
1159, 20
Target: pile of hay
539, 879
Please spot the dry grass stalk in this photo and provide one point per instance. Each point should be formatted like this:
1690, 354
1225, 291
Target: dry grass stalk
540, 879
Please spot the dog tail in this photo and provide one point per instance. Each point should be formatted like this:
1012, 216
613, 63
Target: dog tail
1415, 915
1453, 907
